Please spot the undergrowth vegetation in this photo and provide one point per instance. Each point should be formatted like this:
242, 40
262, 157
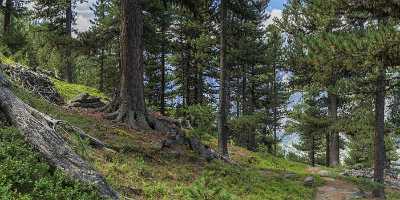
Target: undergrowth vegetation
70, 90
23, 175
139, 169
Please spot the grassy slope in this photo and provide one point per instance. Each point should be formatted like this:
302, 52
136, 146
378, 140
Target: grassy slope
140, 170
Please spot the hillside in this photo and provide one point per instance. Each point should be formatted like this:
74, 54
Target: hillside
139, 169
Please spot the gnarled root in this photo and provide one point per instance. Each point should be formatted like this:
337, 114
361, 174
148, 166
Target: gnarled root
39, 130
177, 136
134, 119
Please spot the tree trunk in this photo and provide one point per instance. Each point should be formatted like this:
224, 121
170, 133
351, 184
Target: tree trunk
189, 99
275, 111
245, 110
7, 16
334, 135
163, 83
132, 109
327, 150
39, 131
252, 106
69, 19
101, 83
379, 142
312, 151
224, 87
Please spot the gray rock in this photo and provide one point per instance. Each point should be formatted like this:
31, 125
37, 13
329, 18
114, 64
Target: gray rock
290, 176
309, 181
85, 100
324, 173
359, 195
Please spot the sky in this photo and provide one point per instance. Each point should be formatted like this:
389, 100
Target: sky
85, 14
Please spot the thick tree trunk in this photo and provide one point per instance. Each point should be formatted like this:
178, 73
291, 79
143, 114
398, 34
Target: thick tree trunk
7, 16
224, 87
379, 142
334, 135
131, 104
68, 31
39, 131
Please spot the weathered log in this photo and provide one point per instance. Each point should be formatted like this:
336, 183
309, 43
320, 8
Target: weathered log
35, 82
38, 130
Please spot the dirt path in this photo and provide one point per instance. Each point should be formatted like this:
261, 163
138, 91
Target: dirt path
336, 189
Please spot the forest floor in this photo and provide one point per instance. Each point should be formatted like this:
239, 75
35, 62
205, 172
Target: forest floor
336, 188
140, 169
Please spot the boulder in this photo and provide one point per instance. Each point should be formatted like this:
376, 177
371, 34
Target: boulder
309, 181
290, 176
323, 173
85, 100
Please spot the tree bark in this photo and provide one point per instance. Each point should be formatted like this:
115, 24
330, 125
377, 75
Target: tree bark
252, 146
379, 141
7, 16
163, 84
101, 83
275, 111
334, 135
312, 151
39, 131
224, 87
131, 104
327, 150
68, 30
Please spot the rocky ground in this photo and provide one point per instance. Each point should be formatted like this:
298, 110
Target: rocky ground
392, 177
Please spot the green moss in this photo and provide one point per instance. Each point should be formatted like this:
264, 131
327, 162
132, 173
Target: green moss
24, 176
69, 90
6, 60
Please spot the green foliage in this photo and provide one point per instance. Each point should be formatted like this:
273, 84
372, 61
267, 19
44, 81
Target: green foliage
69, 90
201, 118
244, 129
310, 122
23, 175
224, 182
205, 189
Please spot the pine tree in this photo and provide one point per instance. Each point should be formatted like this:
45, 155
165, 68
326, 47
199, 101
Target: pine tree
310, 122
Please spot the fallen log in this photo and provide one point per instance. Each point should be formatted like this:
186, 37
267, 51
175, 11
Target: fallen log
36, 82
39, 131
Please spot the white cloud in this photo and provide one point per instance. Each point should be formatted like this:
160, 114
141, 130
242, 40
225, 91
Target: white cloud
275, 13
84, 15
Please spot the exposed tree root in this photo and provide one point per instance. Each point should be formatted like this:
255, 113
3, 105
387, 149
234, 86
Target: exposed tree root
39, 130
177, 136
173, 128
119, 112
